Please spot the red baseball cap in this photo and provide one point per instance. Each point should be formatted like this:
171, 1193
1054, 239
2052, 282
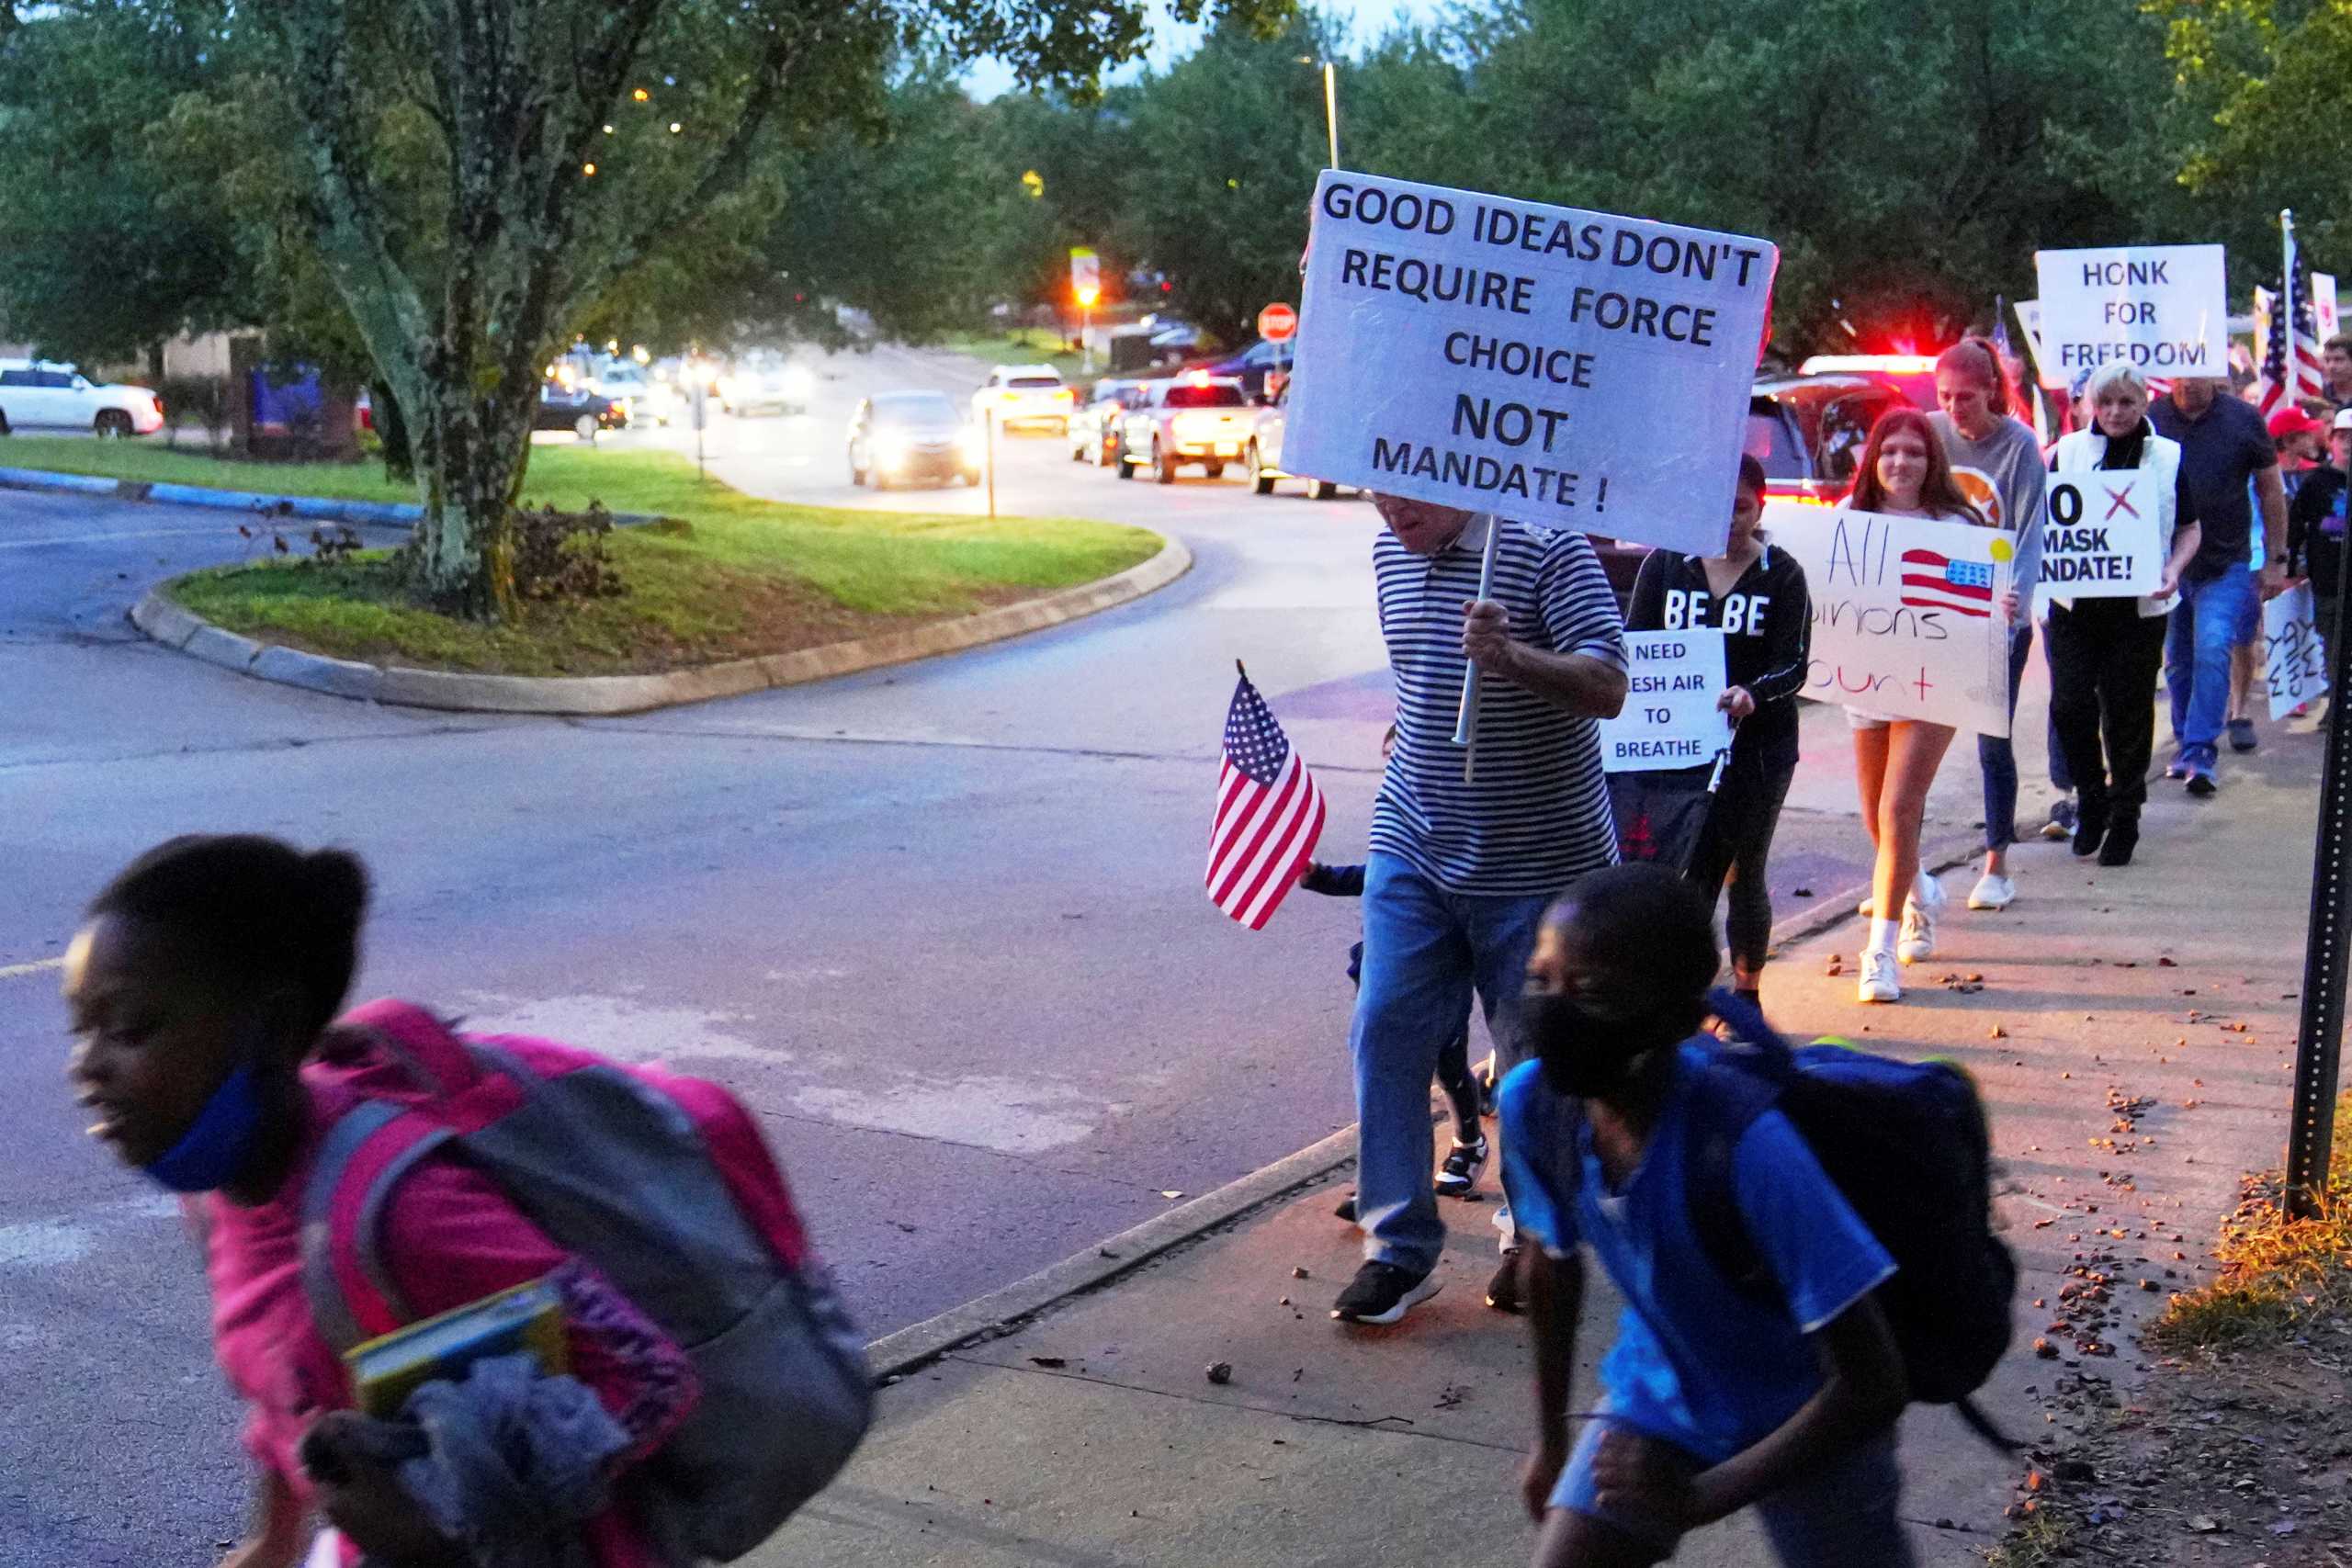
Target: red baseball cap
2292, 420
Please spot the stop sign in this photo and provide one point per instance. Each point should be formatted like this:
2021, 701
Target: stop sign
1277, 321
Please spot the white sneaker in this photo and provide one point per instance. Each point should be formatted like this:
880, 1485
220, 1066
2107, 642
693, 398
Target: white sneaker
1992, 893
1879, 982
1927, 893
1867, 908
1918, 941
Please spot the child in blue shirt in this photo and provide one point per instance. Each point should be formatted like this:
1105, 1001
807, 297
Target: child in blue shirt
1714, 1398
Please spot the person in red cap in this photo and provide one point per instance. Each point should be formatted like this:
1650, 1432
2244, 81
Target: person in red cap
2303, 447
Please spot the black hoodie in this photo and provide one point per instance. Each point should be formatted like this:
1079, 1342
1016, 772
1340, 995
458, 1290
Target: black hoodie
1767, 619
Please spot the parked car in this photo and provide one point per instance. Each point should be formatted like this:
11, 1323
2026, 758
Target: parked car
1913, 375
37, 395
1025, 394
1094, 424
765, 381
1262, 460
625, 383
896, 437
1193, 419
1808, 431
579, 411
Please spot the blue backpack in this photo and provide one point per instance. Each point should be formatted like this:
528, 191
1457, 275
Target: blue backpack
1907, 1145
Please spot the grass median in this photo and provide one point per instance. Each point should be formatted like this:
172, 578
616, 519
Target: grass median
736, 576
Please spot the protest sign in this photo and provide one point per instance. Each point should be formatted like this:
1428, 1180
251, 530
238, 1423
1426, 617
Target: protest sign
2294, 662
2099, 536
1673, 680
2324, 315
1906, 614
2162, 308
1570, 369
2029, 320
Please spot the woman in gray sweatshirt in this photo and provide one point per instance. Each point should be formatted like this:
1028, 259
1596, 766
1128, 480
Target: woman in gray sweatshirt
1997, 460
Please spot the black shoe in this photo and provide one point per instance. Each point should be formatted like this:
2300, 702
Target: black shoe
2090, 827
1503, 1291
1382, 1293
2200, 785
1346, 1208
2121, 839
1459, 1173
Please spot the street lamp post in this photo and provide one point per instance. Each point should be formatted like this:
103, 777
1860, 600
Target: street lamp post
1087, 295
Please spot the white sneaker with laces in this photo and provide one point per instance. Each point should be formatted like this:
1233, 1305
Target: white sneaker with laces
1992, 893
1927, 893
1919, 938
1880, 981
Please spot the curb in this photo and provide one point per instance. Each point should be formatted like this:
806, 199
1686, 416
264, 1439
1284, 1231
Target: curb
989, 1316
592, 696
309, 508
894, 1355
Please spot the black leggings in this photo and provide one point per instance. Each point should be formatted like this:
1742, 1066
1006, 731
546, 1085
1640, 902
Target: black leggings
1734, 846
1454, 1076
2103, 659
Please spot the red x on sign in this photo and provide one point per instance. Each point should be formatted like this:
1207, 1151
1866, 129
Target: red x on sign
2119, 501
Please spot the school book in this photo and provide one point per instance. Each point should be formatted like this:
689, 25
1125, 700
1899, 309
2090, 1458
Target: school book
526, 1318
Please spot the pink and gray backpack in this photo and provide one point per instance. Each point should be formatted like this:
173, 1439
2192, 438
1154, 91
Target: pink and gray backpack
664, 1185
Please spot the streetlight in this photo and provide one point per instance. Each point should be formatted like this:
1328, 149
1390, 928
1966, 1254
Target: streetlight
1088, 294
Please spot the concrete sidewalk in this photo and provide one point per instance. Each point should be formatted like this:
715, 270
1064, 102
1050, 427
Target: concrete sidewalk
2128, 1092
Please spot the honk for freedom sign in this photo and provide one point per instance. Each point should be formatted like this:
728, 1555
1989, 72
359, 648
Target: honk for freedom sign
1570, 369
1906, 614
2163, 308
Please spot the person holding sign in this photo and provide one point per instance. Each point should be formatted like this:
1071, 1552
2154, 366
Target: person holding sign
1756, 595
2223, 448
1904, 473
1996, 462
1461, 868
2104, 651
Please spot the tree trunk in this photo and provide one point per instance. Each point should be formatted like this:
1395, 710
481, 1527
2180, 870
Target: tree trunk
470, 452
391, 432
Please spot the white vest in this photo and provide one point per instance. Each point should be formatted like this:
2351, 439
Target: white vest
2082, 451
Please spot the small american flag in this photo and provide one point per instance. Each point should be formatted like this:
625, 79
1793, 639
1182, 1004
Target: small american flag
1932, 580
1268, 814
2274, 387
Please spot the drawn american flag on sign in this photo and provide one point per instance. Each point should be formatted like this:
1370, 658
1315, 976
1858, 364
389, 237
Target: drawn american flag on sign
1932, 580
1269, 813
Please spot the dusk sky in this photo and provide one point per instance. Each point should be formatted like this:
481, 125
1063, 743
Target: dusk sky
1366, 18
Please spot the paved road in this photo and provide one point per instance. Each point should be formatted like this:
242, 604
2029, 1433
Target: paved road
941, 925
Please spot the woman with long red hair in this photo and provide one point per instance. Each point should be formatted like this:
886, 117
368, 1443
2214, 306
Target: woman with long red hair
1904, 473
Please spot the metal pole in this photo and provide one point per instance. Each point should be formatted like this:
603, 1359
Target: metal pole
2287, 297
991, 419
1331, 108
2319, 1038
1465, 722
1086, 339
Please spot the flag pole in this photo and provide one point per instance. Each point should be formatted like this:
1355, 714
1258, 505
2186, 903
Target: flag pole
2287, 300
1465, 722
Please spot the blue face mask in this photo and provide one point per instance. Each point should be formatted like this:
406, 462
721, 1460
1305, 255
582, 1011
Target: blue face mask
219, 1142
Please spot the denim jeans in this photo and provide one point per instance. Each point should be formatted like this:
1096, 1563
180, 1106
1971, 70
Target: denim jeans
2196, 655
1996, 760
1425, 951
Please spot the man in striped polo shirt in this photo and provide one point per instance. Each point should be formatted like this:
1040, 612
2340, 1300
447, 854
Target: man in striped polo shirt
1461, 872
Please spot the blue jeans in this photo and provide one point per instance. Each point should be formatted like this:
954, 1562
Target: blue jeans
1996, 760
2207, 624
1842, 1513
1425, 950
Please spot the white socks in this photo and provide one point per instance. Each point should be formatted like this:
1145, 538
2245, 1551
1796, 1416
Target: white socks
1882, 933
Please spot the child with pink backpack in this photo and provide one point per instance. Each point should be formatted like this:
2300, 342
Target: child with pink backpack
352, 1178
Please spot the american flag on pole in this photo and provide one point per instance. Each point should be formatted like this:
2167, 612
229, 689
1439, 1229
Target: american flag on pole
2272, 387
1933, 581
1268, 814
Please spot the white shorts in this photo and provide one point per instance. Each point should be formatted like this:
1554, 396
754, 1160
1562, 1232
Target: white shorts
1857, 720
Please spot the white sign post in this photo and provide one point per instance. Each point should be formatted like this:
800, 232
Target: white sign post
1673, 681
2294, 661
2100, 538
2163, 308
1567, 368
1906, 614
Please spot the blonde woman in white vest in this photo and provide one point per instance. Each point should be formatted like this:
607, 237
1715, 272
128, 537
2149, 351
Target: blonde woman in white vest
2104, 653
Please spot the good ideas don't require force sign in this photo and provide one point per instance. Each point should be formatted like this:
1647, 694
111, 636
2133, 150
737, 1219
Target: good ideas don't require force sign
1571, 369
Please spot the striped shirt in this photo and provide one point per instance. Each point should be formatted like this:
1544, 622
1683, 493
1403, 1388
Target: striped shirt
1536, 816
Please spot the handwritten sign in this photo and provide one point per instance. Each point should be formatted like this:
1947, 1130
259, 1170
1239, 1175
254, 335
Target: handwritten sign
1906, 614
2099, 536
2294, 658
1568, 368
2163, 308
1673, 683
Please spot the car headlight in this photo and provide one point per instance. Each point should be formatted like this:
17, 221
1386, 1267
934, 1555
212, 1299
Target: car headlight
890, 450
797, 383
972, 442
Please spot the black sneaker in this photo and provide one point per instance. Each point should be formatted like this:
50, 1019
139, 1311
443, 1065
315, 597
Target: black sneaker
1382, 1293
1463, 1164
1503, 1290
2061, 826
1346, 1208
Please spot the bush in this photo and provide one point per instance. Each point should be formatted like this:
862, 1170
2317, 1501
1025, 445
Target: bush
203, 403
555, 554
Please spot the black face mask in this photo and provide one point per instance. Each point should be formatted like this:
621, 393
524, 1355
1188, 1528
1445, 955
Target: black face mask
1587, 1055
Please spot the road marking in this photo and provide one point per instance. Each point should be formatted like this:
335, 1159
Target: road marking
37, 967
